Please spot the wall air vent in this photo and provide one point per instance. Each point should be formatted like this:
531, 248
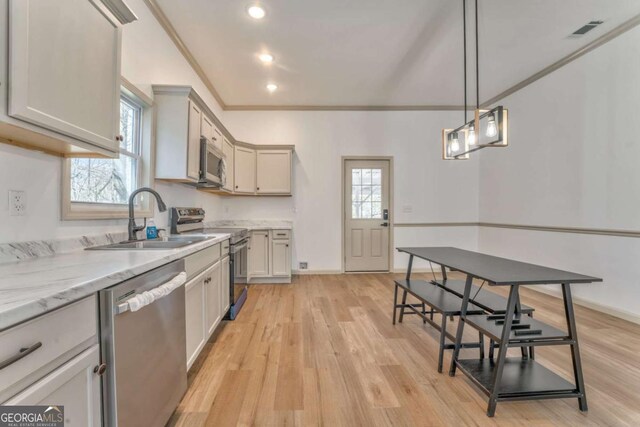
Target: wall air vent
586, 28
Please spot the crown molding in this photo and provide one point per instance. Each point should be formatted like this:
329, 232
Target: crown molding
345, 108
612, 34
182, 47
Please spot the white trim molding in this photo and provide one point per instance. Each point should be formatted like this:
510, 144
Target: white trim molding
612, 311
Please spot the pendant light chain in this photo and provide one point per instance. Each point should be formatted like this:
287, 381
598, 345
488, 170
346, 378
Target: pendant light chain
464, 49
477, 63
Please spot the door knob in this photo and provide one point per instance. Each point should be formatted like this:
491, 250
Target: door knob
385, 224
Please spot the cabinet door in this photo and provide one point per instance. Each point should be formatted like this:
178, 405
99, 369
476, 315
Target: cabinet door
217, 138
280, 258
259, 254
245, 170
227, 149
195, 317
65, 73
73, 385
193, 148
207, 128
212, 294
225, 286
273, 174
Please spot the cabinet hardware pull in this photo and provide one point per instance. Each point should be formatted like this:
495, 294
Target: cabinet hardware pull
100, 369
258, 188
25, 351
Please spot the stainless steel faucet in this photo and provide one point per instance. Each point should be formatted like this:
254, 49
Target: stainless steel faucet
133, 228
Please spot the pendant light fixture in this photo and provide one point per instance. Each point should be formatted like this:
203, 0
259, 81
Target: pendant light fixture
489, 128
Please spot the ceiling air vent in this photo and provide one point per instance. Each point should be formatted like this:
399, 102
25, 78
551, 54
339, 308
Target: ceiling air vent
586, 28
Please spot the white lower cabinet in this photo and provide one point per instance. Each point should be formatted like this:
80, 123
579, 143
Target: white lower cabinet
258, 254
212, 283
269, 256
194, 317
203, 298
225, 284
280, 258
73, 385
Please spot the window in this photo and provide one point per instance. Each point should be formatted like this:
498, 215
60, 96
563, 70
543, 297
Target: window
111, 180
366, 193
97, 188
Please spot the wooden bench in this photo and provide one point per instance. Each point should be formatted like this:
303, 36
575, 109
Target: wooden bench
440, 301
489, 301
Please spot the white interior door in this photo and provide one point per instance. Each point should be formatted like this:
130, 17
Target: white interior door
366, 215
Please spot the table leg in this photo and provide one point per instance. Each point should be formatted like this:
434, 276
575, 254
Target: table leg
443, 335
444, 274
575, 349
463, 315
502, 351
404, 301
395, 303
409, 267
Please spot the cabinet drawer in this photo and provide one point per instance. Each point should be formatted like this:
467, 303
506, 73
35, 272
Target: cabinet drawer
197, 262
53, 338
280, 234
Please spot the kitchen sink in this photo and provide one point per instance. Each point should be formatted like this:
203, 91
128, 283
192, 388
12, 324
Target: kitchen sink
171, 242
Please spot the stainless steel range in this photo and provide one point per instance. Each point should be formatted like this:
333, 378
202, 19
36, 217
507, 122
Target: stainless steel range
191, 221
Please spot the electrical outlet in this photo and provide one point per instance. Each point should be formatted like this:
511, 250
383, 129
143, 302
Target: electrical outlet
17, 203
304, 265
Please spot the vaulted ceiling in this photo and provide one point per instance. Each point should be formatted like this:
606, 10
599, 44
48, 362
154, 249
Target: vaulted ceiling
380, 52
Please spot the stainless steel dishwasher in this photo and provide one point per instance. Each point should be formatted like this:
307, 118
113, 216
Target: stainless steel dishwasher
143, 347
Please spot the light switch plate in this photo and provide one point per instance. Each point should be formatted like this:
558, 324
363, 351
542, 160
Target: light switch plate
17, 203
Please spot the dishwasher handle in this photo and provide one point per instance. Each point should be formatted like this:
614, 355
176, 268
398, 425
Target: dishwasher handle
148, 297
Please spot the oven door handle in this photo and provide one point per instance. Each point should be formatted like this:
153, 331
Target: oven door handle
148, 297
238, 247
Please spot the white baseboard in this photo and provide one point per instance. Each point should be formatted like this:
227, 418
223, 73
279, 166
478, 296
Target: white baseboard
306, 272
269, 280
621, 314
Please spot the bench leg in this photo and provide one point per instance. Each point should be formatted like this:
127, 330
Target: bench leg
443, 334
481, 342
532, 354
404, 301
395, 303
491, 344
424, 312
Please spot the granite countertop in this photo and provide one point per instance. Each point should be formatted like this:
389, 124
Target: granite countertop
35, 285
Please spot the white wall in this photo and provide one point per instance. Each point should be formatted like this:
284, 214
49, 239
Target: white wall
148, 57
573, 162
437, 191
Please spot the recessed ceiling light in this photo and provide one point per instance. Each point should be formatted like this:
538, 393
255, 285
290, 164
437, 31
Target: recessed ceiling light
256, 12
272, 87
267, 58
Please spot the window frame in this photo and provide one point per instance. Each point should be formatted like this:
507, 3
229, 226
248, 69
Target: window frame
144, 170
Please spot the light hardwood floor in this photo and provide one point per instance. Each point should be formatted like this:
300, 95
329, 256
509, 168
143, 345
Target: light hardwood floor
323, 351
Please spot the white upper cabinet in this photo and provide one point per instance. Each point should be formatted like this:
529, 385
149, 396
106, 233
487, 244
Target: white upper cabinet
217, 138
63, 63
273, 171
244, 170
227, 149
182, 119
207, 128
193, 141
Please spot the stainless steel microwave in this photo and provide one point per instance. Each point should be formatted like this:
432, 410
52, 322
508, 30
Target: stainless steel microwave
211, 164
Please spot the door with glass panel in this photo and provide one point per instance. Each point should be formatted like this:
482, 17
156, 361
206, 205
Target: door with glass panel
366, 222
